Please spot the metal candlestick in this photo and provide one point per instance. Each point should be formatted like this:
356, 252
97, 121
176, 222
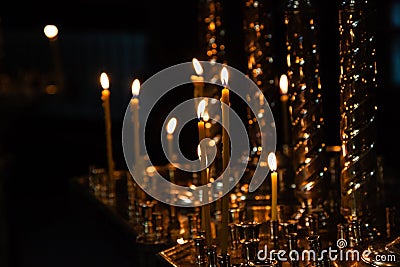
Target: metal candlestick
249, 239
148, 234
358, 110
306, 111
200, 250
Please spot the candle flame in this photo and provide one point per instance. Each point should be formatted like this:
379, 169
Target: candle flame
197, 66
50, 31
272, 161
224, 76
283, 84
206, 116
200, 108
199, 151
171, 125
104, 81
135, 87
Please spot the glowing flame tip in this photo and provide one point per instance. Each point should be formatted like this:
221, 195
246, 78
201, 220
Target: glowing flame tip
199, 151
135, 87
104, 81
171, 125
197, 67
51, 31
224, 76
272, 161
200, 108
283, 84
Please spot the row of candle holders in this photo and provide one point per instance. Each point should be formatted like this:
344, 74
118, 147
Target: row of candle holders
250, 231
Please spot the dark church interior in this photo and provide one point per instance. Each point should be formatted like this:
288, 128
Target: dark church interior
52, 131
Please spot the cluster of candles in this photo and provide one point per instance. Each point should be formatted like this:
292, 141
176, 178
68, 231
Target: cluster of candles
198, 82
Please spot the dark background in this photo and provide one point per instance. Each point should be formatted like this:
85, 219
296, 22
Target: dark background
47, 139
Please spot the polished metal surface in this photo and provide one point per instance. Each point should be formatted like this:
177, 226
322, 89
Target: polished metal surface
305, 94
358, 85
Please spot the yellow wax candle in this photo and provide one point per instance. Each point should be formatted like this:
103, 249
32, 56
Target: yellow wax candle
283, 84
205, 209
105, 97
197, 80
225, 161
274, 186
170, 137
134, 105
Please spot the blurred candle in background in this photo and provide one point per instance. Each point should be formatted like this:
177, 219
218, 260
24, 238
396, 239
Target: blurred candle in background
105, 97
283, 84
51, 32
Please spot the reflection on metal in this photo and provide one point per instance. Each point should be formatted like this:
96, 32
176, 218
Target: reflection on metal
309, 160
259, 48
358, 109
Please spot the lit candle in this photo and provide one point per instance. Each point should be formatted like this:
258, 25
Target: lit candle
200, 125
225, 161
205, 209
51, 32
274, 186
197, 80
283, 84
105, 97
134, 105
170, 136
171, 125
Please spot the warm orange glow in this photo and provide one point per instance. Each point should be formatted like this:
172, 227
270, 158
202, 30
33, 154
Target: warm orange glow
224, 76
272, 161
197, 66
211, 27
288, 60
283, 84
50, 31
180, 241
51, 89
171, 125
135, 87
104, 81
200, 108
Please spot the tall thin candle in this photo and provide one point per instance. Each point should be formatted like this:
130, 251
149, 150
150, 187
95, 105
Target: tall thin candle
105, 97
205, 209
225, 162
134, 105
283, 84
274, 186
197, 80
170, 137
